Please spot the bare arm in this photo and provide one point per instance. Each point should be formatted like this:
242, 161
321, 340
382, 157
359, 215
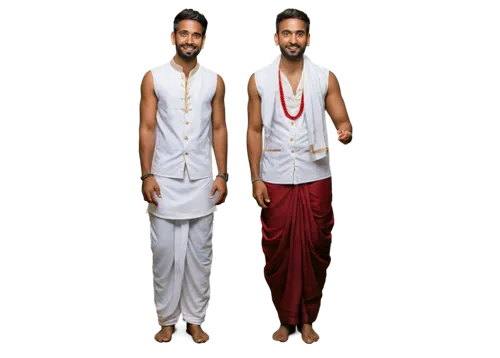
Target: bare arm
254, 131
337, 111
147, 122
219, 130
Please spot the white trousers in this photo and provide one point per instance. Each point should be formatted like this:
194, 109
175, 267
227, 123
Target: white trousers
182, 260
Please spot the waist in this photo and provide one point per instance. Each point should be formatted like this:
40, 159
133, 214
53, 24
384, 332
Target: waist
285, 150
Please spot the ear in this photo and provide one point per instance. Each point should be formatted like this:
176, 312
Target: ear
203, 42
276, 39
172, 36
308, 39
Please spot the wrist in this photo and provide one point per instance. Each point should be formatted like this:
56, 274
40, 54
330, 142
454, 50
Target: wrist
147, 175
344, 127
146, 170
254, 175
256, 180
224, 176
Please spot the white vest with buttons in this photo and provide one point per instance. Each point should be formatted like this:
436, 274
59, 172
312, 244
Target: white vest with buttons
183, 134
286, 157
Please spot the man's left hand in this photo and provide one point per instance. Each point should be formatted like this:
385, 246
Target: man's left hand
344, 136
221, 187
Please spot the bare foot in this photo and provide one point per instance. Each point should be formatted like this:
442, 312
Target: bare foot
308, 334
283, 332
199, 336
165, 334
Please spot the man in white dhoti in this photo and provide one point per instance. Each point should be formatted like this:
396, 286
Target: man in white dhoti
181, 116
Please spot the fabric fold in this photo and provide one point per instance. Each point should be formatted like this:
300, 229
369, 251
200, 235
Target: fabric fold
296, 240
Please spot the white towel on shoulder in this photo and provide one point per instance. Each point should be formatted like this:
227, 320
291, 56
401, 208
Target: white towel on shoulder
313, 108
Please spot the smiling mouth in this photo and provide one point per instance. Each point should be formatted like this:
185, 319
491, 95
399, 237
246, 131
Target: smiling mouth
188, 48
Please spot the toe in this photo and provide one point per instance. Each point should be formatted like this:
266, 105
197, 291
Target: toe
307, 339
311, 339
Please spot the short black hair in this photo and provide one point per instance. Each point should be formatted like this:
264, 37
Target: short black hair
292, 14
190, 14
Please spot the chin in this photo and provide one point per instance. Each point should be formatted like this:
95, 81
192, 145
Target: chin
295, 56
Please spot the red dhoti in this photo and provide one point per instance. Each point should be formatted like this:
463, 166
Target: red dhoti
296, 239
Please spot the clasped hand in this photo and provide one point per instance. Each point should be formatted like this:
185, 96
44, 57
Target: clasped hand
344, 136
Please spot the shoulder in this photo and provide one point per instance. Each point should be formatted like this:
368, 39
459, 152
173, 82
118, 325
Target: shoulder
209, 75
323, 75
220, 86
160, 74
147, 80
264, 72
259, 80
147, 86
250, 79
250, 82
320, 67
220, 81
333, 82
160, 69
212, 82
207, 72
253, 92
317, 66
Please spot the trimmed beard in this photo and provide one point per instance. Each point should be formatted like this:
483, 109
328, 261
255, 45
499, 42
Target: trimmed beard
196, 52
293, 57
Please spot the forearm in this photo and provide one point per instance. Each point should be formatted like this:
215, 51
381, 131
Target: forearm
254, 149
344, 124
146, 147
219, 140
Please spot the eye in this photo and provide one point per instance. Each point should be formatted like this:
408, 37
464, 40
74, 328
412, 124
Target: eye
183, 34
197, 36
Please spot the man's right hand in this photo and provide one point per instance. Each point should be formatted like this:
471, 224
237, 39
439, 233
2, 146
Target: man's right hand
260, 194
150, 186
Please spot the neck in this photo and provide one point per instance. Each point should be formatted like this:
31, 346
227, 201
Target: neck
187, 65
291, 66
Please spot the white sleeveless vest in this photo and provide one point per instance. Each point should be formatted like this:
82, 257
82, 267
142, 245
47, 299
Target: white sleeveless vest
183, 134
286, 157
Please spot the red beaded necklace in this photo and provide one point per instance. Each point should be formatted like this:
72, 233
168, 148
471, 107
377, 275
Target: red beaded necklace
283, 103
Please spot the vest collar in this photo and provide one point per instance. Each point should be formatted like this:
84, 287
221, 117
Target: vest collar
179, 68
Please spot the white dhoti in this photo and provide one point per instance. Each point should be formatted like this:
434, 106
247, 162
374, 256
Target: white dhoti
181, 242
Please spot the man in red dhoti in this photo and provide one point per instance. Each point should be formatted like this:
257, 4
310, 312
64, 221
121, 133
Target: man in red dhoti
291, 175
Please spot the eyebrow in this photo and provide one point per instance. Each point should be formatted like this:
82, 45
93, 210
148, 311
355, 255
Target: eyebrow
292, 31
